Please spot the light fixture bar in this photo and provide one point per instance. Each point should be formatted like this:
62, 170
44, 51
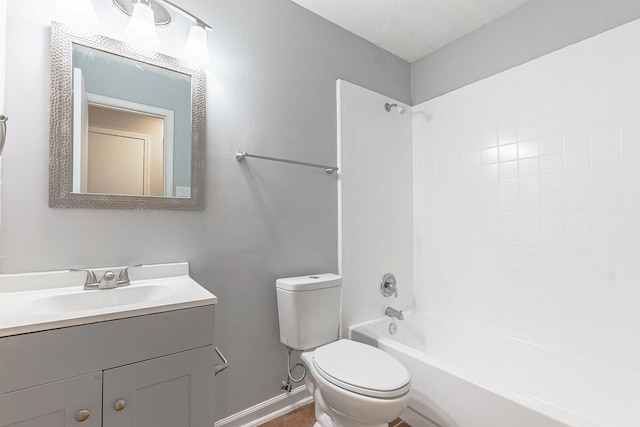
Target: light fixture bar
197, 20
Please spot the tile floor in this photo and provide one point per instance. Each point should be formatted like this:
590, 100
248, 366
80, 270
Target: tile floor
304, 417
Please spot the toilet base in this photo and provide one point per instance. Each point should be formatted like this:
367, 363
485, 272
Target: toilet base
334, 424
336, 419
317, 424
324, 420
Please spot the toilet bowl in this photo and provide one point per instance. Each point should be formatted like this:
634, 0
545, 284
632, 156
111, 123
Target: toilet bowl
353, 384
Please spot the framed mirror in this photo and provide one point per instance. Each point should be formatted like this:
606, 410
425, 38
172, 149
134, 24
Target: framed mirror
127, 126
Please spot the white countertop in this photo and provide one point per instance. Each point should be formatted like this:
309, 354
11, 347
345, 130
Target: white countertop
35, 302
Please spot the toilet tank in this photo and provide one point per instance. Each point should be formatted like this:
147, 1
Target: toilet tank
309, 310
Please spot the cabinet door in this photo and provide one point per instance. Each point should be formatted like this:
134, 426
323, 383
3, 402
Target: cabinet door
55, 404
170, 391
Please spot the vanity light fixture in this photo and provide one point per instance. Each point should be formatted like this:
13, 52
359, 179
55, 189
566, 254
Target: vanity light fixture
145, 16
196, 48
78, 12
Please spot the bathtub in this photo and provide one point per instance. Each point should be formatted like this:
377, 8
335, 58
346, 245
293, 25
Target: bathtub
467, 376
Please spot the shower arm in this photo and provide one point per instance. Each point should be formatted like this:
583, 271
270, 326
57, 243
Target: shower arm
400, 108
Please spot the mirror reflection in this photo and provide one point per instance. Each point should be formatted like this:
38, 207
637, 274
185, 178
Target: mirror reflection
131, 126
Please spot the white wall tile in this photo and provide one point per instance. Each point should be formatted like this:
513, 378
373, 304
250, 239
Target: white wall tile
576, 138
550, 182
552, 203
606, 178
577, 200
508, 169
528, 149
529, 221
508, 186
508, 152
489, 155
551, 144
528, 167
529, 202
509, 204
574, 68
528, 184
507, 135
577, 179
552, 238
552, 163
552, 220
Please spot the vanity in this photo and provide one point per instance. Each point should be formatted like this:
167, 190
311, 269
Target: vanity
116, 346
137, 355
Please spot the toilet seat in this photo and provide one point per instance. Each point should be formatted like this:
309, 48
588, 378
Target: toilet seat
362, 369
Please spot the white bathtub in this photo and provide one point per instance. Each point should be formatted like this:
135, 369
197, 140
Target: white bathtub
466, 376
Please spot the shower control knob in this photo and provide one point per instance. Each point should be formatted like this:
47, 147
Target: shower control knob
82, 415
120, 404
388, 285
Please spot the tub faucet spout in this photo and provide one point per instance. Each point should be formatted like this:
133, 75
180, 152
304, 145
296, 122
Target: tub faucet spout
392, 312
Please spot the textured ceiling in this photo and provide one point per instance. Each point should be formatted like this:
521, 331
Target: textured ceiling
411, 29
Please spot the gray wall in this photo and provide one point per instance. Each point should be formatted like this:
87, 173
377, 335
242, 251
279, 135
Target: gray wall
270, 90
535, 29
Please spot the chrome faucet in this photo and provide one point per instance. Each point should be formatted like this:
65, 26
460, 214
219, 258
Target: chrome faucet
392, 312
123, 277
91, 281
108, 280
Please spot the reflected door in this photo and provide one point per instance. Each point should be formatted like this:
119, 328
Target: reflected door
117, 162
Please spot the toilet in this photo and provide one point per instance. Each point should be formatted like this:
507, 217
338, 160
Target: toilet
353, 384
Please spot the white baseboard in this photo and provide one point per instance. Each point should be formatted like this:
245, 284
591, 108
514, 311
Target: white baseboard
268, 410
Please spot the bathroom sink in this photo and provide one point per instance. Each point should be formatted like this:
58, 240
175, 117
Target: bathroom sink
99, 299
40, 301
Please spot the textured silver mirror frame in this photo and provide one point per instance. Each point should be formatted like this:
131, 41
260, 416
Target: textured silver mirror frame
60, 176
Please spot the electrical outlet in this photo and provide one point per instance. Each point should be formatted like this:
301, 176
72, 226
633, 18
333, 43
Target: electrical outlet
183, 192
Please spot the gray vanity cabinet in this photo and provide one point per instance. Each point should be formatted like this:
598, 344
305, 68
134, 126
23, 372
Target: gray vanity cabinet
55, 405
151, 370
168, 391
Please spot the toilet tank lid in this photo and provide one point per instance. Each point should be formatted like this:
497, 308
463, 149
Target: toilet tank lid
308, 283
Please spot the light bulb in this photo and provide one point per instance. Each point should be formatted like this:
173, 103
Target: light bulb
142, 27
197, 47
77, 12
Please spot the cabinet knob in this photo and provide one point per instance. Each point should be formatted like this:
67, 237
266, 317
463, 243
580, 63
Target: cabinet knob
82, 415
120, 404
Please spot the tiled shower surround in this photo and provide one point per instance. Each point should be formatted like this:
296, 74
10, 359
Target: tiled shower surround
375, 203
527, 200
